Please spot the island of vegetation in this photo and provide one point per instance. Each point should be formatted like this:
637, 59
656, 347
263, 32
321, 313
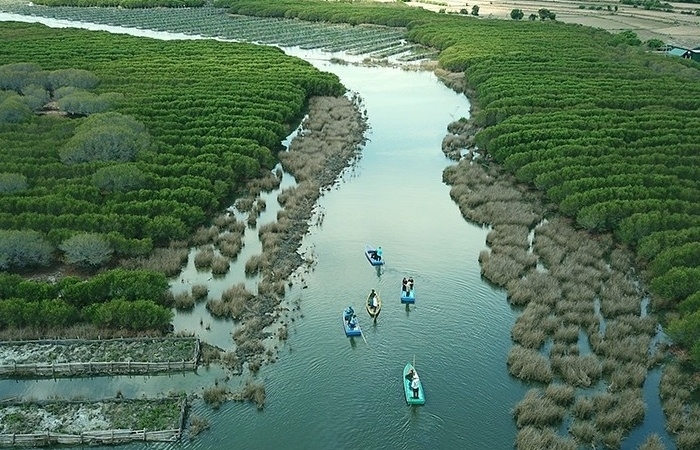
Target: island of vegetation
588, 132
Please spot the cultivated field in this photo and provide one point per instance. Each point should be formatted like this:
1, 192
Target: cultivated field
678, 28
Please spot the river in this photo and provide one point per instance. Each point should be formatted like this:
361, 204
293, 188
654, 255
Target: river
329, 391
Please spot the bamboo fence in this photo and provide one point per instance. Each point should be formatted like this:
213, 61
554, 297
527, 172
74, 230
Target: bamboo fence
70, 369
95, 437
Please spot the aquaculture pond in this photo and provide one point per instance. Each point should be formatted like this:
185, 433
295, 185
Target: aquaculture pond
327, 390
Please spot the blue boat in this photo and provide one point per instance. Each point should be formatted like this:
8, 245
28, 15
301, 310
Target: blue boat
372, 257
350, 322
408, 292
409, 374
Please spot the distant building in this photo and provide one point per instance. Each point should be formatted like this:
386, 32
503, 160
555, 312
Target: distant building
687, 53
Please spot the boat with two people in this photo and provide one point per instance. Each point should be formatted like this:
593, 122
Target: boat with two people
350, 323
375, 256
408, 292
412, 386
373, 304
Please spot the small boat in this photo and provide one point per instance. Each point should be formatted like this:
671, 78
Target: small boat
373, 309
410, 399
370, 253
350, 323
410, 295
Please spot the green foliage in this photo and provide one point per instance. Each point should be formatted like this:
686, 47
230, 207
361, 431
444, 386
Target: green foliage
136, 315
23, 249
119, 178
118, 283
12, 182
517, 14
475, 10
193, 119
125, 3
105, 137
677, 284
545, 14
14, 110
83, 103
655, 44
627, 37
690, 304
86, 250
686, 255
686, 330
35, 96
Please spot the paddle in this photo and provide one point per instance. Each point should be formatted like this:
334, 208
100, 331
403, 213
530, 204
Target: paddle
363, 336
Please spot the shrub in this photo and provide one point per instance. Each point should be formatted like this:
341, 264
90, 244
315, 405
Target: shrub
86, 250
12, 182
215, 396
22, 249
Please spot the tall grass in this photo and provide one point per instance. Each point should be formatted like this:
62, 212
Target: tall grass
500, 268
653, 442
561, 394
536, 286
531, 438
215, 396
584, 431
577, 370
184, 301
205, 235
529, 365
508, 235
253, 392
619, 411
537, 410
533, 326
204, 257
220, 265
234, 302
166, 260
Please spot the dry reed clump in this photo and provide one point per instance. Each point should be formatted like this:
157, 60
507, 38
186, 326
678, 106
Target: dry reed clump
271, 288
220, 265
215, 396
652, 442
227, 221
230, 360
255, 264
689, 436
537, 410
536, 286
584, 431
233, 303
252, 392
255, 211
200, 292
244, 204
583, 408
230, 244
627, 375
506, 234
561, 394
500, 268
567, 334
531, 438
548, 250
467, 175
619, 296
529, 365
612, 438
532, 327
205, 235
197, 425
166, 260
513, 212
580, 313
569, 271
265, 183
184, 301
620, 411
631, 348
204, 257
561, 349
577, 370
